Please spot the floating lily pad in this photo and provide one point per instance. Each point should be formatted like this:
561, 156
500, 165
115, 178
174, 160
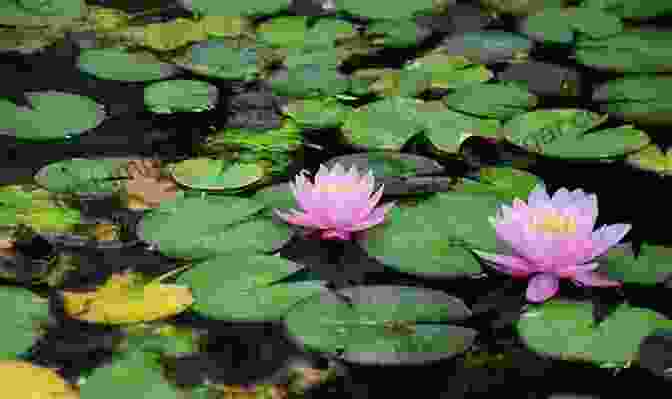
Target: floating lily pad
643, 98
123, 300
653, 159
651, 266
521, 7
450, 71
45, 120
207, 7
41, 13
202, 227
240, 287
317, 113
385, 325
496, 101
180, 95
373, 9
631, 51
504, 182
216, 174
87, 177
566, 330
433, 237
383, 125
22, 309
223, 59
559, 24
631, 9
562, 133
118, 64
25, 380
137, 372
447, 129
486, 47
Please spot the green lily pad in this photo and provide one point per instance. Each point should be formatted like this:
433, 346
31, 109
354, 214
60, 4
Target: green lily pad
566, 330
450, 71
642, 98
118, 64
137, 372
202, 227
252, 7
240, 287
504, 182
83, 176
559, 24
562, 133
651, 158
496, 101
447, 129
433, 238
487, 47
388, 10
216, 174
180, 95
383, 125
630, 51
650, 267
45, 120
384, 325
317, 113
22, 309
630, 9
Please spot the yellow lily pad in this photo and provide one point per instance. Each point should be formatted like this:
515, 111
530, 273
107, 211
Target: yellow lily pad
24, 380
124, 299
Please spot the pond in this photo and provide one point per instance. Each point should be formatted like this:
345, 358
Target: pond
273, 199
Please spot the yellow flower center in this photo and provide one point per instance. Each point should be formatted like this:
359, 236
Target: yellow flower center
337, 188
551, 222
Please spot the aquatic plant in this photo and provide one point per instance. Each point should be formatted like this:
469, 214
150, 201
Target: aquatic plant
338, 203
553, 238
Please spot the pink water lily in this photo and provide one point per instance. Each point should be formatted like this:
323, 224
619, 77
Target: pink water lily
553, 238
337, 203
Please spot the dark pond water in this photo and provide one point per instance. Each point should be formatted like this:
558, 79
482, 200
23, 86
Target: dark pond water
240, 353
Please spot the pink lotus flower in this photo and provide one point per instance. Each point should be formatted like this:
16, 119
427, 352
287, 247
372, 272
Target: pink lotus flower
553, 238
337, 203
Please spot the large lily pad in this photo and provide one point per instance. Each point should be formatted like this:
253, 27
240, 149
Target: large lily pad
84, 176
559, 24
240, 287
383, 125
45, 120
201, 227
118, 64
643, 98
630, 51
487, 47
566, 330
496, 101
447, 129
562, 133
432, 238
384, 325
